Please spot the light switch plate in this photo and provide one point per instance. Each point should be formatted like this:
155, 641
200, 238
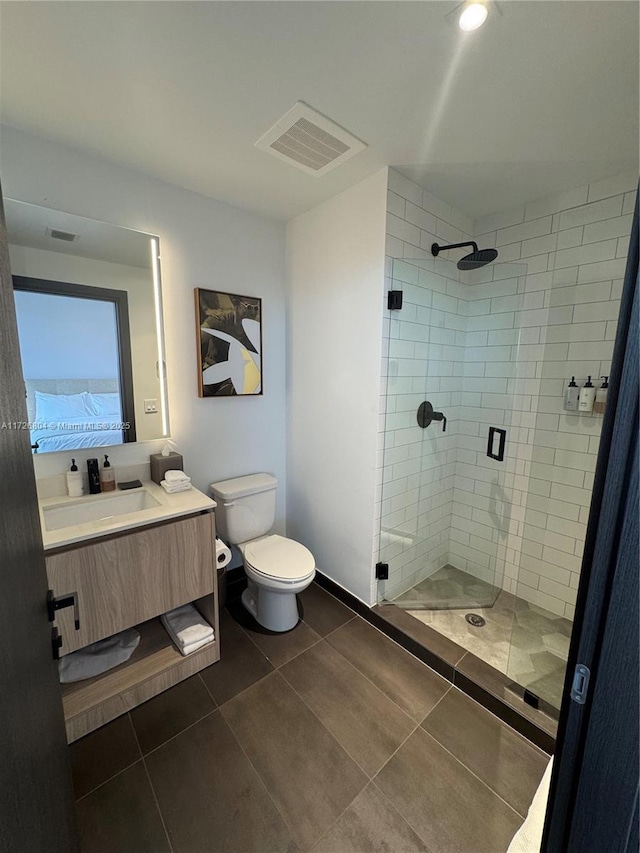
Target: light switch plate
150, 407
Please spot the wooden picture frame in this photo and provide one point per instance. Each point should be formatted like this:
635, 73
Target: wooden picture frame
229, 344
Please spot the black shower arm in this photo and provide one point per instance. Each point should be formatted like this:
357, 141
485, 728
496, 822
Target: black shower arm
453, 246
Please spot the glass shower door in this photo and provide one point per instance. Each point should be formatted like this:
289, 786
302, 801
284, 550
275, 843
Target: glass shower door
446, 506
411, 538
563, 448
483, 526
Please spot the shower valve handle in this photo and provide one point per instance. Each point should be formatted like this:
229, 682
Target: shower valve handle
438, 416
426, 415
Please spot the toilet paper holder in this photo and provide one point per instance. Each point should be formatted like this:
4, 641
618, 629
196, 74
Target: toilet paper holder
223, 553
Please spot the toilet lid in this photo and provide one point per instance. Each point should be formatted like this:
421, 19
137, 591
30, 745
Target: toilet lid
278, 557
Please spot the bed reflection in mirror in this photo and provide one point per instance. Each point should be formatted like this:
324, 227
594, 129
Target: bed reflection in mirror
76, 361
89, 316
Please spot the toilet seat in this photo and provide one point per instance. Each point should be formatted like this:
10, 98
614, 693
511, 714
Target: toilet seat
278, 558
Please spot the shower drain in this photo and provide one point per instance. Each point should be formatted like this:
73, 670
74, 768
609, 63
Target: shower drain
475, 620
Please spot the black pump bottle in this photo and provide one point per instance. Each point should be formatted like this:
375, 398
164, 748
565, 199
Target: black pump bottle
93, 470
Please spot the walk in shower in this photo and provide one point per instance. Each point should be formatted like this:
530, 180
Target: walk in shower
487, 479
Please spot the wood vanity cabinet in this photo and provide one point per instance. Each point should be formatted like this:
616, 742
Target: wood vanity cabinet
127, 580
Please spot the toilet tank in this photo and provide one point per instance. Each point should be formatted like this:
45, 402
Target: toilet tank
246, 507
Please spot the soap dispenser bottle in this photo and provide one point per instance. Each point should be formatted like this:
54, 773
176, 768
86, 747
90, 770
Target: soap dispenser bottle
107, 476
571, 393
74, 481
587, 396
93, 470
600, 403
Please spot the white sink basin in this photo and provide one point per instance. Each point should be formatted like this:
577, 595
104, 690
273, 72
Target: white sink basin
97, 508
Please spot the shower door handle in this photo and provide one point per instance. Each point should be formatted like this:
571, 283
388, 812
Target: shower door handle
491, 443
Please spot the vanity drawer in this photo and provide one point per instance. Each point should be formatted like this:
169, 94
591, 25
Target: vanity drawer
129, 579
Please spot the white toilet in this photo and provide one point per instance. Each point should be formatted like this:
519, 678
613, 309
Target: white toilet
277, 568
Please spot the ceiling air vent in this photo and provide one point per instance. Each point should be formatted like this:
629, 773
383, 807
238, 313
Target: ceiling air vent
312, 142
67, 236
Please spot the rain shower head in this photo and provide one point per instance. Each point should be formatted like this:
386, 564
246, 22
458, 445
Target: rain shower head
472, 261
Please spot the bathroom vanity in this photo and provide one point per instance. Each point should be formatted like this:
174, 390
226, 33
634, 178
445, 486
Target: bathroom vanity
129, 557
123, 557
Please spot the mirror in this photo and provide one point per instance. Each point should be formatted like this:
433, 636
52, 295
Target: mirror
89, 312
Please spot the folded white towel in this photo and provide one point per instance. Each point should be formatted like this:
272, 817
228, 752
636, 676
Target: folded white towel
187, 624
187, 650
187, 628
173, 488
176, 477
190, 647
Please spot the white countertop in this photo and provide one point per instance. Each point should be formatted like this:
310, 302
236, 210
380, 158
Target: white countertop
171, 506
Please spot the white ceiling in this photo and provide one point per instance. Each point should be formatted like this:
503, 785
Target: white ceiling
542, 98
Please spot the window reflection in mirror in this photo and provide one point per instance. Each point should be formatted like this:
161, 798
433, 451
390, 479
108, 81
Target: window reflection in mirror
90, 326
76, 362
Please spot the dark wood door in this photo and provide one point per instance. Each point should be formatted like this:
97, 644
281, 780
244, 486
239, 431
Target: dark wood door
36, 798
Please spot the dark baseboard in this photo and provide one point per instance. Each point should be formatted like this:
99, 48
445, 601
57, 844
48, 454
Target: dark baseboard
489, 687
341, 594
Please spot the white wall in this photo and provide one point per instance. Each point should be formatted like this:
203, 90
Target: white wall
204, 243
335, 273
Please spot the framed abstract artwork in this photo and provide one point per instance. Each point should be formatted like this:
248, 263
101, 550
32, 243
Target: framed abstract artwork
229, 335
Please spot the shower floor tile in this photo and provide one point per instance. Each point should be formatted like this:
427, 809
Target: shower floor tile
448, 589
490, 643
525, 642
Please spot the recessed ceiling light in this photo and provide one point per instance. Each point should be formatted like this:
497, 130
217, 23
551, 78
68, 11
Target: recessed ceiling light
472, 16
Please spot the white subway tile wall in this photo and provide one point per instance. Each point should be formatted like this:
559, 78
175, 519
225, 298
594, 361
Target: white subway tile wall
496, 347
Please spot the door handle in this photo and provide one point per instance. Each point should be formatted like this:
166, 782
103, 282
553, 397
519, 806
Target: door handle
69, 599
491, 443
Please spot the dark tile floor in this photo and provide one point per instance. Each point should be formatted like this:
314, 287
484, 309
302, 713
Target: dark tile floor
330, 738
